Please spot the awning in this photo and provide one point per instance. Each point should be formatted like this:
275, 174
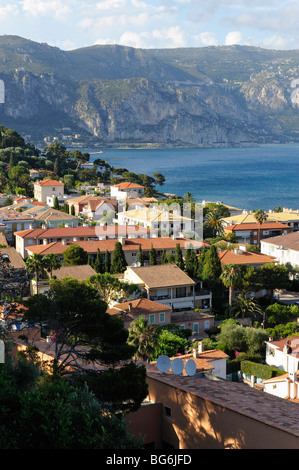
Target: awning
183, 305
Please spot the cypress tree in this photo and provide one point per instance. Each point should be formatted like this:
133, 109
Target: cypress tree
72, 210
179, 256
164, 257
107, 263
118, 261
56, 204
140, 257
152, 256
98, 265
191, 263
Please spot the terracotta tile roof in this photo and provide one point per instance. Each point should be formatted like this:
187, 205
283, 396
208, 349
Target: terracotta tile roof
81, 273
127, 185
180, 317
164, 275
15, 259
292, 341
94, 204
289, 241
92, 246
138, 307
48, 182
244, 257
94, 231
282, 217
238, 397
255, 226
53, 214
9, 213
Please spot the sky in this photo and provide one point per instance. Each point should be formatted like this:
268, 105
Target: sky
147, 24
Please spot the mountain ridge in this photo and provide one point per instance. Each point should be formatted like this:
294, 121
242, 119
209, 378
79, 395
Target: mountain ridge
224, 95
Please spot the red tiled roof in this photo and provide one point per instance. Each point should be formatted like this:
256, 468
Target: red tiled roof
95, 231
48, 182
127, 185
138, 307
245, 257
92, 246
264, 226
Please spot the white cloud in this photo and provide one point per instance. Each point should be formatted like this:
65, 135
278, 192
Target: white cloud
207, 38
171, 37
8, 10
56, 8
232, 38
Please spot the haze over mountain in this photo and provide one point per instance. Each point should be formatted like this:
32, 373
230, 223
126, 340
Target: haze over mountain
224, 95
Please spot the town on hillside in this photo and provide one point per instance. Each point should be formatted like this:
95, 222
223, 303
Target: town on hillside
107, 280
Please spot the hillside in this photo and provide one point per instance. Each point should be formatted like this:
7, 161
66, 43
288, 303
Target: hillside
194, 96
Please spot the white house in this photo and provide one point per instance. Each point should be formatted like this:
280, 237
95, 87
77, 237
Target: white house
47, 187
284, 386
285, 248
283, 354
126, 190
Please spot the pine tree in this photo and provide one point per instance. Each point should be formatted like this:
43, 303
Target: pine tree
140, 257
179, 257
118, 261
152, 256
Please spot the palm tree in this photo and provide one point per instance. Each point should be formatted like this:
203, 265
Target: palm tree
230, 277
261, 217
144, 337
36, 264
245, 306
216, 222
51, 262
188, 197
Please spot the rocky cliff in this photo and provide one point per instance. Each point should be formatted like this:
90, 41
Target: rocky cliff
207, 96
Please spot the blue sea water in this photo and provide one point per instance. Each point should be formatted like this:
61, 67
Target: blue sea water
262, 177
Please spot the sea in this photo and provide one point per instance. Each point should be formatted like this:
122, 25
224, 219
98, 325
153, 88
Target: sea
248, 178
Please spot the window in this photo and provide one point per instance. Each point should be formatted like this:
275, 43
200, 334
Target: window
195, 328
152, 318
180, 292
53, 189
162, 317
167, 412
134, 255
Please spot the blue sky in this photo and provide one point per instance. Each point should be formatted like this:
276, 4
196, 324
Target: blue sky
70, 24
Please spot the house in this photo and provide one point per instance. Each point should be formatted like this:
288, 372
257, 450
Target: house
44, 236
285, 248
253, 232
242, 256
286, 217
140, 202
54, 218
154, 312
81, 273
169, 285
207, 412
284, 386
126, 190
283, 354
210, 362
161, 221
130, 247
100, 210
79, 202
14, 221
198, 321
232, 210
34, 173
46, 188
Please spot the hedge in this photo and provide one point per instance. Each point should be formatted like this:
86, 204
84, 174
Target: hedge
260, 370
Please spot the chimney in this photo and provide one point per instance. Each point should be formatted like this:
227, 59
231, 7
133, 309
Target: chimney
195, 353
130, 307
200, 347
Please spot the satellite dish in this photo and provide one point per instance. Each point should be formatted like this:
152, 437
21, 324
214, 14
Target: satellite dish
190, 367
163, 363
177, 366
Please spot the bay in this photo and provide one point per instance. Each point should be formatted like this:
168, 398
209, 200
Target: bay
261, 177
